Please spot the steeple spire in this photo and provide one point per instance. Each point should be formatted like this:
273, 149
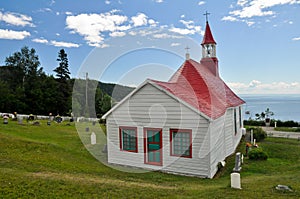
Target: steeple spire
209, 55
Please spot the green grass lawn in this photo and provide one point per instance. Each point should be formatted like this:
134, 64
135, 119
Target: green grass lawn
51, 162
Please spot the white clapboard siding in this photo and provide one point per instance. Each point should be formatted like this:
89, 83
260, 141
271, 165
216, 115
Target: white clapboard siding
150, 107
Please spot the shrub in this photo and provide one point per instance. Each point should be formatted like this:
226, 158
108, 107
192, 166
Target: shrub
257, 154
258, 133
288, 123
254, 123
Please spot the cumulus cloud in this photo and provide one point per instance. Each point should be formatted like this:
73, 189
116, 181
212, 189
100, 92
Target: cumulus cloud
258, 87
16, 19
93, 26
190, 28
64, 44
247, 9
13, 35
201, 3
117, 34
166, 36
41, 41
139, 20
296, 39
159, 1
152, 23
175, 44
229, 18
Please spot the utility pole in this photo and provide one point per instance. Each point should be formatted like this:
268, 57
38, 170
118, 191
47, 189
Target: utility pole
86, 94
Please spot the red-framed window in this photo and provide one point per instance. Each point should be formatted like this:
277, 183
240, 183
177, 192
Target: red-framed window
181, 143
128, 139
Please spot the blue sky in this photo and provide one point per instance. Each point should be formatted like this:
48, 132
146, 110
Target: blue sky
258, 41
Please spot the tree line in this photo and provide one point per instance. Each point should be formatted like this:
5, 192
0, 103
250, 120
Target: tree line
25, 88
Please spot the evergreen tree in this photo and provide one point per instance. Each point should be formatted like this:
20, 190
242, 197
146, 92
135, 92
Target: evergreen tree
62, 71
63, 97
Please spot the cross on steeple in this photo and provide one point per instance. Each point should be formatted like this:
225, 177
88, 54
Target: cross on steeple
206, 15
187, 54
187, 49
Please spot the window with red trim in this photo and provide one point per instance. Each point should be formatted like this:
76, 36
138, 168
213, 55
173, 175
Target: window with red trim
128, 139
181, 142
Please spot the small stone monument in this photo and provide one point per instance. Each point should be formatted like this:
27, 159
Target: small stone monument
5, 120
251, 136
104, 150
235, 180
20, 120
235, 175
93, 138
237, 166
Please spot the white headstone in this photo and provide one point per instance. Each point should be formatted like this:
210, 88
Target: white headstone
235, 180
93, 138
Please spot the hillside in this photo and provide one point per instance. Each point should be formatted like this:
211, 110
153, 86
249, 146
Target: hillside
116, 91
51, 162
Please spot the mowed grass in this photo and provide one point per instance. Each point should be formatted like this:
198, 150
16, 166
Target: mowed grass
51, 162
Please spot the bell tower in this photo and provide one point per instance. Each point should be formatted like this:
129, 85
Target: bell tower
209, 55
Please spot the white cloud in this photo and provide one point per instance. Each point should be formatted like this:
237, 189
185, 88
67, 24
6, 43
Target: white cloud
254, 83
201, 3
68, 13
159, 1
182, 16
190, 29
107, 2
175, 44
16, 19
139, 20
255, 8
242, 2
166, 36
229, 18
152, 23
296, 39
257, 87
117, 34
93, 26
13, 35
182, 31
64, 44
41, 41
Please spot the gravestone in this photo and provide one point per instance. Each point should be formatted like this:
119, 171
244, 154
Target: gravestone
251, 136
237, 166
20, 120
235, 180
93, 138
5, 120
104, 150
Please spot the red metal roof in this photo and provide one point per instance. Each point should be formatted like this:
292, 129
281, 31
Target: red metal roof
195, 84
208, 38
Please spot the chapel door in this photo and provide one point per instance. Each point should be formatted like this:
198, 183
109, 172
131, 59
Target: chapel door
153, 146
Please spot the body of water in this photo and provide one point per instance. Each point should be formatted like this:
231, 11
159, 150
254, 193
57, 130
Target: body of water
285, 107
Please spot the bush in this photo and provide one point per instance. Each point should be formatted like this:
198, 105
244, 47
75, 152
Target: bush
257, 154
258, 133
254, 123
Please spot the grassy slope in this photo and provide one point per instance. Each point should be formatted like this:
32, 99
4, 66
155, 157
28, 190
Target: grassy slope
51, 162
